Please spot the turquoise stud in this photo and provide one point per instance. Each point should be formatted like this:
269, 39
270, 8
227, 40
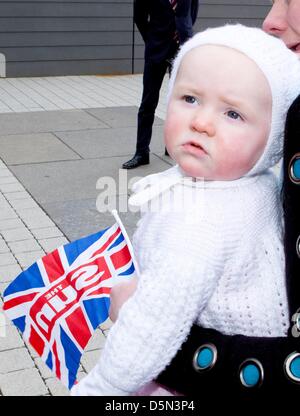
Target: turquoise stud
205, 357
292, 367
251, 373
294, 169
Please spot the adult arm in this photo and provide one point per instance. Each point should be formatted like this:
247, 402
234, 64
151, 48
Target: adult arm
185, 16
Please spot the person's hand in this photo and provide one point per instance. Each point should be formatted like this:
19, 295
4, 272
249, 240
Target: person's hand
119, 295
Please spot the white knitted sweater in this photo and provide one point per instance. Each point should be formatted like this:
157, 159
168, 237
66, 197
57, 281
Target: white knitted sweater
219, 264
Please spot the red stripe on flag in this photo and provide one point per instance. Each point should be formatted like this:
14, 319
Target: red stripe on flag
17, 301
121, 258
78, 326
53, 266
107, 243
57, 362
36, 341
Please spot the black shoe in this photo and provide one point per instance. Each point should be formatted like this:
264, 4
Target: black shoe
166, 152
137, 160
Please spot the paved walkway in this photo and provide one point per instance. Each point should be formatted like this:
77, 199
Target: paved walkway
58, 137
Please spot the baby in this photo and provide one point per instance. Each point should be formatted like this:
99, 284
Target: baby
211, 251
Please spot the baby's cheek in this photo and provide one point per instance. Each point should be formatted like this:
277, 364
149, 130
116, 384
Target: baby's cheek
232, 167
170, 131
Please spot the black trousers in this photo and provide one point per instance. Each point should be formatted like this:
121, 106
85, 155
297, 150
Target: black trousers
152, 80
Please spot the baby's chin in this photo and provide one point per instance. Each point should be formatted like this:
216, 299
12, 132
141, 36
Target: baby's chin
192, 171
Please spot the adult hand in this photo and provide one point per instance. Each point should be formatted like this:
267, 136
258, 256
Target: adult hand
119, 294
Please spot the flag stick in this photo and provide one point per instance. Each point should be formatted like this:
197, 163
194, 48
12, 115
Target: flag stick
124, 232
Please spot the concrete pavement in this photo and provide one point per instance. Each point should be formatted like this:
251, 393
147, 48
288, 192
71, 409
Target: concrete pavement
58, 137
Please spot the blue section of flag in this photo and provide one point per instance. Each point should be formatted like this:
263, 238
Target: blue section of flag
97, 309
29, 279
20, 323
49, 360
74, 249
128, 272
72, 357
117, 242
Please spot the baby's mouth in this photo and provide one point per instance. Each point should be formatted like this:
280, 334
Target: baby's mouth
195, 148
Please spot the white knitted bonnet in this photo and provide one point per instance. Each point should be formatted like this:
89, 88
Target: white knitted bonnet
280, 66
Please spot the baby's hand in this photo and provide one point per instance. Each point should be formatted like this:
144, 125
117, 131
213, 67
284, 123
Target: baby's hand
118, 295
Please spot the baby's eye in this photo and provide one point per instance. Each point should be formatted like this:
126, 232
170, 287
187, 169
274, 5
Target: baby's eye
233, 114
189, 99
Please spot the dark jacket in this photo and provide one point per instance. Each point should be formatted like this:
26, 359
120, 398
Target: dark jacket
157, 23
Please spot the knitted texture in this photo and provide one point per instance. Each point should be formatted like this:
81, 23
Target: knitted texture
220, 263
280, 66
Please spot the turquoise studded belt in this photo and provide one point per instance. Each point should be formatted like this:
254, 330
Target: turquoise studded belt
211, 363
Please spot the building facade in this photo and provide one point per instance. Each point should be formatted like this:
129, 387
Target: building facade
80, 37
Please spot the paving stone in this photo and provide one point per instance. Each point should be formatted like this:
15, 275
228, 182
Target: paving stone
4, 327
3, 246
47, 232
33, 148
27, 259
119, 116
7, 179
11, 340
16, 234
90, 359
20, 204
43, 368
38, 222
32, 351
7, 259
10, 272
7, 213
105, 327
56, 387
80, 218
11, 187
97, 341
47, 121
4, 172
35, 218
50, 244
77, 179
9, 224
15, 359
27, 382
109, 142
24, 246
13, 196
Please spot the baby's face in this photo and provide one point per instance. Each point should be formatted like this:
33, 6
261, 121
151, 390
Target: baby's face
219, 114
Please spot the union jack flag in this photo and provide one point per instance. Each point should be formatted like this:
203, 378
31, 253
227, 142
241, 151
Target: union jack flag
59, 301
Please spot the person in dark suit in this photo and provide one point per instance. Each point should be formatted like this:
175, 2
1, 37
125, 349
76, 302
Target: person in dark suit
164, 26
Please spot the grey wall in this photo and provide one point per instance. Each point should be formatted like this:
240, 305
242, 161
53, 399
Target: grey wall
68, 37
59, 37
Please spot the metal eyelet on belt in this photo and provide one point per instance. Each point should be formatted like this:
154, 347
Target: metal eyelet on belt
294, 169
298, 246
292, 366
251, 373
205, 357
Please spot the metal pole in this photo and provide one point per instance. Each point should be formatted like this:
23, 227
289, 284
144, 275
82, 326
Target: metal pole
133, 40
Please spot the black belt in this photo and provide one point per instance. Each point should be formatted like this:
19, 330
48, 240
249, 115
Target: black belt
210, 363
231, 364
